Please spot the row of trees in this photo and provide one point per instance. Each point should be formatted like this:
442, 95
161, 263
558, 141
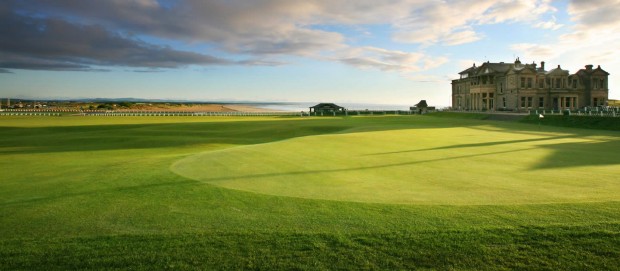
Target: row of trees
110, 106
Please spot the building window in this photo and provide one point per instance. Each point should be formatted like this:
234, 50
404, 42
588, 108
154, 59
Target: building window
541, 102
501, 87
529, 101
522, 82
529, 83
541, 83
522, 101
595, 102
558, 81
602, 83
574, 83
504, 101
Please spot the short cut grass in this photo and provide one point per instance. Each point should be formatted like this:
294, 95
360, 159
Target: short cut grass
389, 192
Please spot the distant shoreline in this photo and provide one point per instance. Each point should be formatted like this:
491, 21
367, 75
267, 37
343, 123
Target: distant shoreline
170, 106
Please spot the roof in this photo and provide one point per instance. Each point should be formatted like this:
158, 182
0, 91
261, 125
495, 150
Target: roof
499, 67
327, 106
468, 70
591, 71
493, 67
557, 70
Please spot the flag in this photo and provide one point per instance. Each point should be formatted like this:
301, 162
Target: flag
540, 116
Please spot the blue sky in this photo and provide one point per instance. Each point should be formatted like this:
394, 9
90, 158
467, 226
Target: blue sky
386, 52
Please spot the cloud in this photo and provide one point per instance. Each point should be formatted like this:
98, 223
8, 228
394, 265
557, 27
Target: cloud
535, 51
426, 78
260, 32
389, 60
595, 13
452, 22
56, 44
515, 11
248, 27
551, 24
461, 37
592, 36
288, 27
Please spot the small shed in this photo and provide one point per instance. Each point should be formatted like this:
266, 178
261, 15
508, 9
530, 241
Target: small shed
326, 108
422, 108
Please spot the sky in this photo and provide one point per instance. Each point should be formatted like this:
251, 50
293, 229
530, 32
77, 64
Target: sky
353, 51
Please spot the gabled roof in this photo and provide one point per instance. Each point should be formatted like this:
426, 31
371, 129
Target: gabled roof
527, 67
487, 68
468, 70
557, 71
592, 71
499, 67
492, 68
327, 106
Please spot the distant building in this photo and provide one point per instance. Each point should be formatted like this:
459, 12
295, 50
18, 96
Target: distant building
422, 108
326, 108
517, 86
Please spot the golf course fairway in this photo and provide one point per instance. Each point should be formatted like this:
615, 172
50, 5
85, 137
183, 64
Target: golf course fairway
447, 165
442, 191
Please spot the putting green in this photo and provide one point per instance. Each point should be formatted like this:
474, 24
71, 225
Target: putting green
454, 166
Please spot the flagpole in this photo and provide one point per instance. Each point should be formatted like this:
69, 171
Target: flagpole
540, 116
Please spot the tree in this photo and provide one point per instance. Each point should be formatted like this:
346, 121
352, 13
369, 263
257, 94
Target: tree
125, 104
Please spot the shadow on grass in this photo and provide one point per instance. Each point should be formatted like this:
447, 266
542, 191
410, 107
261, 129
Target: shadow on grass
567, 155
293, 173
563, 155
100, 191
476, 145
15, 140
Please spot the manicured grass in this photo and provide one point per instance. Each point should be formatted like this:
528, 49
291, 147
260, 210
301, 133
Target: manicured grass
99, 193
481, 164
582, 122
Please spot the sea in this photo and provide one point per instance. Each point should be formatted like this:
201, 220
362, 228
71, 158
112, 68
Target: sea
304, 106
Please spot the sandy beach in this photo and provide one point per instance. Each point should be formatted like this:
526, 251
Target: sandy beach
197, 108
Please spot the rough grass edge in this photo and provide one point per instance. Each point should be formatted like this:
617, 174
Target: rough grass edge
583, 122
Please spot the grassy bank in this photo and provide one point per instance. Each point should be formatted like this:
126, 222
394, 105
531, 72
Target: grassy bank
582, 122
383, 192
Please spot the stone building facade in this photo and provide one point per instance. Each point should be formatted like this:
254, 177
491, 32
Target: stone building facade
516, 86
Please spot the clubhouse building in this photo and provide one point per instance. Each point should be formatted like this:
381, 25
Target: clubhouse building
516, 86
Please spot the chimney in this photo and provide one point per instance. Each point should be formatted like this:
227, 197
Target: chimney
542, 65
589, 67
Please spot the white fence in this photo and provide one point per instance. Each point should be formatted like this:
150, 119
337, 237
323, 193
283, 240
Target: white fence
613, 113
29, 113
141, 113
